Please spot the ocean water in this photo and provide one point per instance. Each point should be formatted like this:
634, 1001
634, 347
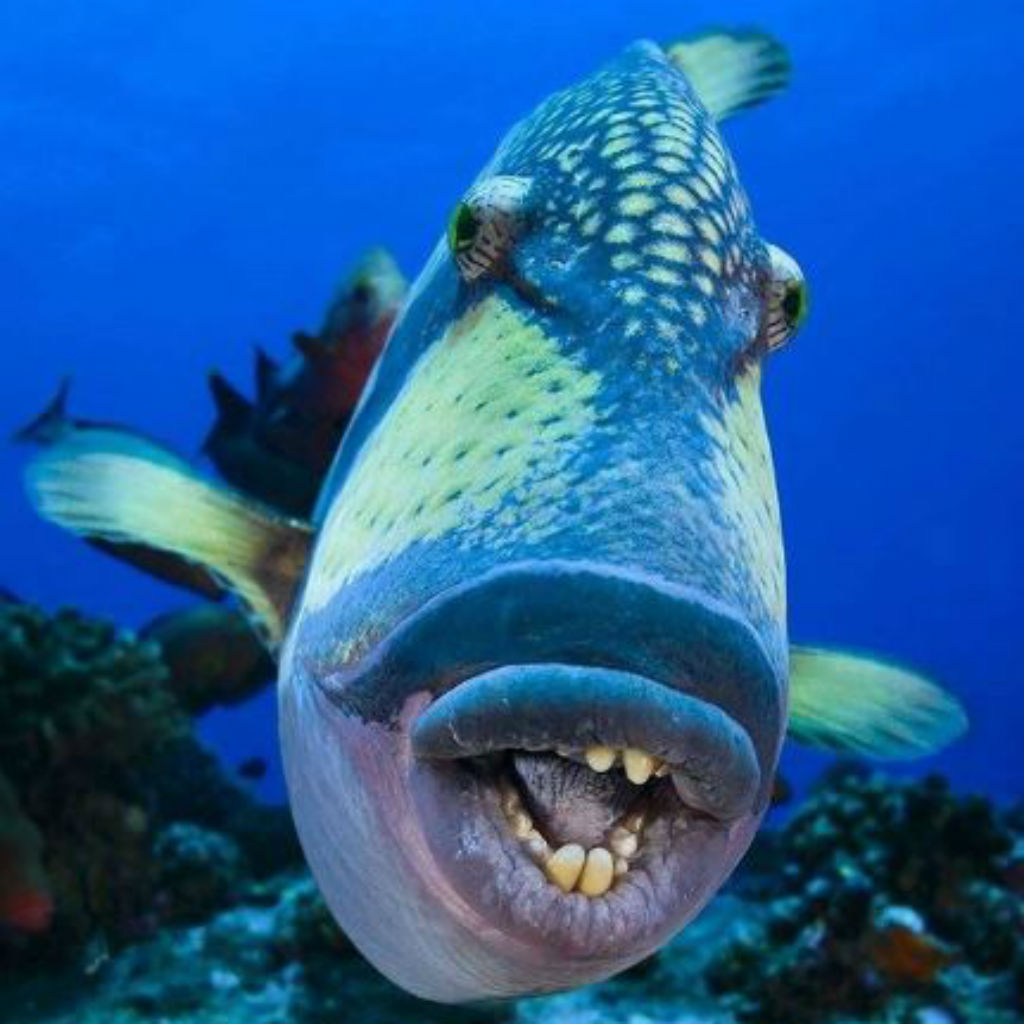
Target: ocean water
179, 181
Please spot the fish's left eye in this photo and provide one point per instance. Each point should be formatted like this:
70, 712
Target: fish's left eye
485, 224
788, 299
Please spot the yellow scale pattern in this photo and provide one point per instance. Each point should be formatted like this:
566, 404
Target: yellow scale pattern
492, 411
749, 501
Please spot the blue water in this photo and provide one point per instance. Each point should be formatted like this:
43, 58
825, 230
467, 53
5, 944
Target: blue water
179, 181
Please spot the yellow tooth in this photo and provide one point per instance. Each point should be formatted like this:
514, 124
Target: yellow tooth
599, 759
621, 866
624, 842
639, 766
522, 825
565, 865
662, 771
598, 872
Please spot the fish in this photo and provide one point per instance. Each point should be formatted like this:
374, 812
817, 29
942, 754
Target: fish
26, 899
279, 446
212, 654
534, 664
55, 426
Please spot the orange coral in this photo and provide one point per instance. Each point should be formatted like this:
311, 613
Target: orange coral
907, 955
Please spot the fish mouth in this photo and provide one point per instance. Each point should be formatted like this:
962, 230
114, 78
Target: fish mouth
591, 753
576, 805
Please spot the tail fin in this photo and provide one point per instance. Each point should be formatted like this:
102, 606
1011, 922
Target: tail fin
732, 70
122, 489
859, 705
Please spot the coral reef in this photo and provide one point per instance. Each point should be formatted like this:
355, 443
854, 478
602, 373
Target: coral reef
73, 687
277, 959
113, 820
26, 903
199, 871
881, 895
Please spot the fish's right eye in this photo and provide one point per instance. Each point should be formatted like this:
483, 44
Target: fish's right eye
788, 300
462, 229
485, 224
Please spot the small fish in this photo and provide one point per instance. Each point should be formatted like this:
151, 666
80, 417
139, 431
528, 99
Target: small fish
278, 448
26, 902
534, 664
253, 768
213, 655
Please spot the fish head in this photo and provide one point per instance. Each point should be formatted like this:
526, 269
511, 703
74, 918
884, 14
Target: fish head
535, 690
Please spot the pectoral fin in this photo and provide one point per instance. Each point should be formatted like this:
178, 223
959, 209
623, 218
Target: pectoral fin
859, 705
119, 488
732, 70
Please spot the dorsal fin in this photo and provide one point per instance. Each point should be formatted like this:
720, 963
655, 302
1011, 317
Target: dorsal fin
234, 410
128, 491
860, 705
731, 70
52, 422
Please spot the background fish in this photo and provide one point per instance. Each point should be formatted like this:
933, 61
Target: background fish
535, 682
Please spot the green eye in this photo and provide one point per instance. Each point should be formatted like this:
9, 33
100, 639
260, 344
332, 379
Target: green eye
484, 226
795, 304
462, 228
787, 300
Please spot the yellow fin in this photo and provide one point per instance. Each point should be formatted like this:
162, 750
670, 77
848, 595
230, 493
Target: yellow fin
732, 70
857, 704
115, 486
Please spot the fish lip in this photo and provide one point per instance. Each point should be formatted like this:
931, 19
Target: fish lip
568, 708
575, 613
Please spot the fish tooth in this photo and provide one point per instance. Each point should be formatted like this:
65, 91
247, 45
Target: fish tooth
565, 865
598, 872
537, 847
599, 759
634, 822
511, 801
623, 842
621, 866
662, 771
522, 825
638, 764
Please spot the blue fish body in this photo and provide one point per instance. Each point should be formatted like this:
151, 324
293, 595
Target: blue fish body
560, 473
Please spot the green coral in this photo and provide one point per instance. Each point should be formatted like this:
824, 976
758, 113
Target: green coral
879, 894
74, 688
83, 710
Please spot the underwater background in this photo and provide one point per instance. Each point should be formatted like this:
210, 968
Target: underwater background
181, 181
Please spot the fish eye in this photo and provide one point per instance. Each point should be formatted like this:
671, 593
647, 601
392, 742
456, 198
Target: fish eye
485, 224
462, 228
788, 299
